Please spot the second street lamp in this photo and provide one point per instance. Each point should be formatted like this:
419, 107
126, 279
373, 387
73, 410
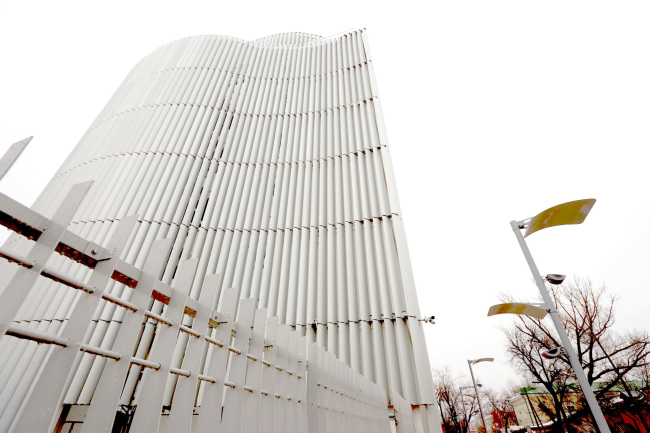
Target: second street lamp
478, 398
573, 212
462, 400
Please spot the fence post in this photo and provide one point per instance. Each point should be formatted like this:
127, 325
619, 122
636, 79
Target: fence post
267, 401
327, 387
211, 393
152, 386
236, 373
344, 379
12, 154
101, 414
312, 388
251, 420
301, 394
323, 422
291, 397
180, 416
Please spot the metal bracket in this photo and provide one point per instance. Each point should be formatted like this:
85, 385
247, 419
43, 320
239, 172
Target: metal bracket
523, 223
97, 252
542, 305
220, 318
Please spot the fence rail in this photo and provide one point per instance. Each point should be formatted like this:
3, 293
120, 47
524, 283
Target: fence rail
204, 370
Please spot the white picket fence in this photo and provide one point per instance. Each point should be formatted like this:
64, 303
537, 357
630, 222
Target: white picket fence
228, 370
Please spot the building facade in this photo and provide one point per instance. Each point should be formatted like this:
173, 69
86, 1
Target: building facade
268, 161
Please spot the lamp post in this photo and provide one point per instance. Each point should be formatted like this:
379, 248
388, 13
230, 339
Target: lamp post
462, 399
573, 212
462, 404
478, 398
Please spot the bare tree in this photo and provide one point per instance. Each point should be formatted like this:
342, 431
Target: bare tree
608, 358
525, 344
499, 406
456, 414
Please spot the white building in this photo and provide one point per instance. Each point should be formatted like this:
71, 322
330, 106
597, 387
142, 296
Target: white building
268, 161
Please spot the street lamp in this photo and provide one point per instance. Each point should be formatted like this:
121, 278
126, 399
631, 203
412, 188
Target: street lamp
476, 361
462, 399
573, 212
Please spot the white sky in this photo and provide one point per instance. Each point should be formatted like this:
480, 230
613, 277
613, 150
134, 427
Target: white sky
495, 111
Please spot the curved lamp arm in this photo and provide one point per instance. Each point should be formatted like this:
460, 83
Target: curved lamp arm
476, 361
518, 308
573, 212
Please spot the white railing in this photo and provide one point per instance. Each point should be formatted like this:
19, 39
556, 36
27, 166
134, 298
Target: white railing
205, 370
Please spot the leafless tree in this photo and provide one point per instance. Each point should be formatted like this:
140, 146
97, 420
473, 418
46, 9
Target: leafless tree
608, 358
456, 412
499, 406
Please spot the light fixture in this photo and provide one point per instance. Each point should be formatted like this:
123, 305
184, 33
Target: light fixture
574, 212
476, 361
551, 353
555, 279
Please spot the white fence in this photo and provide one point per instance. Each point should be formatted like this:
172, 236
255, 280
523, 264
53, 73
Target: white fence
231, 370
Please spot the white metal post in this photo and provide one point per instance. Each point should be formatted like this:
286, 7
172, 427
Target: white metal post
149, 398
236, 370
462, 403
575, 363
12, 154
312, 388
106, 396
211, 393
180, 415
478, 397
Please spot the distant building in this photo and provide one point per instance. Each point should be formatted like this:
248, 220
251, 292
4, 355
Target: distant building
500, 420
529, 406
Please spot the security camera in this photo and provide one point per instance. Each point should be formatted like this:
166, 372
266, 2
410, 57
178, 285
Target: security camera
551, 353
430, 319
555, 279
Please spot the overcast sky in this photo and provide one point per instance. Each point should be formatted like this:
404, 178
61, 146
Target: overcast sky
495, 110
